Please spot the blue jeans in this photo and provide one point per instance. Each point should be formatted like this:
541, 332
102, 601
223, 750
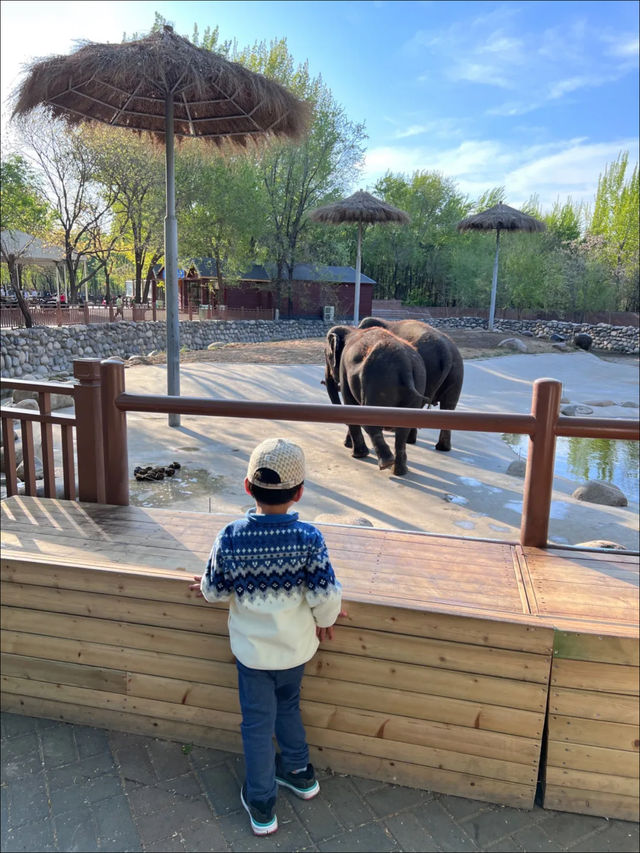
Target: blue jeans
270, 703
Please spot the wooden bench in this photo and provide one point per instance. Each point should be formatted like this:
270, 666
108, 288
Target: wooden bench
454, 656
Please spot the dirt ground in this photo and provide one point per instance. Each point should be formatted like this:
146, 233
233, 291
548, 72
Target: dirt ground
472, 343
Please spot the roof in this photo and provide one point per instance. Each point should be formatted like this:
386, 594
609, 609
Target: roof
208, 269
320, 272
29, 249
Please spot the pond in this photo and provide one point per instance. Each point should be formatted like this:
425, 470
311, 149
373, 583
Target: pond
583, 459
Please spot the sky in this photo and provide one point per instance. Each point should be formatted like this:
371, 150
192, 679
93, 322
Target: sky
537, 97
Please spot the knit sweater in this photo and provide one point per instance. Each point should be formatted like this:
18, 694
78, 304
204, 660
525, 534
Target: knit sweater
275, 572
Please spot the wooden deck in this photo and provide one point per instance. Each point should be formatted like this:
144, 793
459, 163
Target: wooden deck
455, 654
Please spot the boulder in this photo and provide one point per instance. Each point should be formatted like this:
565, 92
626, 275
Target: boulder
517, 468
38, 466
137, 359
601, 543
527, 333
556, 337
215, 345
576, 410
58, 401
597, 492
562, 347
25, 403
601, 403
630, 404
514, 344
583, 341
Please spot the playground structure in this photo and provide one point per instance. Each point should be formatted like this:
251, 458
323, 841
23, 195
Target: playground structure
466, 666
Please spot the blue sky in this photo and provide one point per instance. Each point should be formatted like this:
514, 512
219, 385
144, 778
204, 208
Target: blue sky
535, 96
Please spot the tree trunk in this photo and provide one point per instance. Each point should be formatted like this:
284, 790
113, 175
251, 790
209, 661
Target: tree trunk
14, 275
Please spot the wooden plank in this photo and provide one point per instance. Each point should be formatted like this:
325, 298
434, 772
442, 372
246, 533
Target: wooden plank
515, 695
179, 616
595, 732
119, 634
79, 675
593, 705
599, 803
328, 713
594, 759
205, 670
137, 584
583, 675
402, 773
584, 781
602, 648
422, 706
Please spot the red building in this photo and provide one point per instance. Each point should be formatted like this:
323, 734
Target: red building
311, 289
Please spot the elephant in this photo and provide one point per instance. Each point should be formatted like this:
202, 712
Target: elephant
443, 364
373, 367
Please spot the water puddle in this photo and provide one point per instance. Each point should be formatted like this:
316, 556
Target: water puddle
580, 459
188, 483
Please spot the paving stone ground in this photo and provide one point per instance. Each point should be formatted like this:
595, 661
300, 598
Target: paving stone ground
76, 788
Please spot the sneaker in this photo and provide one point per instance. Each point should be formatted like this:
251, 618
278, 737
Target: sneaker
262, 815
303, 784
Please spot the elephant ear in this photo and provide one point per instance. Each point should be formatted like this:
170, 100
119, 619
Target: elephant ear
335, 345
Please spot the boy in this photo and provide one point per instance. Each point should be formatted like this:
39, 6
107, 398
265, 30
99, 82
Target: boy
283, 599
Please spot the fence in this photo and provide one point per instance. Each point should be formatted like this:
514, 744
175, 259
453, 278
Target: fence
394, 309
12, 318
101, 404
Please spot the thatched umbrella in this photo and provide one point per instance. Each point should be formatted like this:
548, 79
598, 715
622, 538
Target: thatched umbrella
163, 85
363, 208
501, 217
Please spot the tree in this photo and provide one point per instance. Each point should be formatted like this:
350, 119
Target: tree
298, 177
615, 220
68, 169
22, 208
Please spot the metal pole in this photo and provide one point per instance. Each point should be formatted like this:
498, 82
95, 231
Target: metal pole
356, 299
538, 482
494, 283
171, 266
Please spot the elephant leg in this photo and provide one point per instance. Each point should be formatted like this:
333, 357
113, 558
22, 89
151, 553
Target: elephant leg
382, 449
354, 439
400, 465
413, 436
347, 439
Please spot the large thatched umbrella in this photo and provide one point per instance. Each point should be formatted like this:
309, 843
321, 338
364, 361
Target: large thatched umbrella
499, 218
363, 208
164, 85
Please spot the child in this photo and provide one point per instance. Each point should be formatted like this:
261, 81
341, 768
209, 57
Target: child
283, 599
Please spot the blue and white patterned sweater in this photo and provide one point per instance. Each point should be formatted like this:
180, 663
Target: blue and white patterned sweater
275, 572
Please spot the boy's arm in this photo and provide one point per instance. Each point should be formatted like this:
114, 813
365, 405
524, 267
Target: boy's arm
216, 582
324, 592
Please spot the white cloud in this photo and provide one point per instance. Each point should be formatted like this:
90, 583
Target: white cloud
554, 170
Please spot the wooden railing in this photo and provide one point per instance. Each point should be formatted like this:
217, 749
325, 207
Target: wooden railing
101, 404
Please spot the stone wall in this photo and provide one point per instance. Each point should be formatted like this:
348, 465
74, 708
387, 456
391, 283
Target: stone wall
48, 350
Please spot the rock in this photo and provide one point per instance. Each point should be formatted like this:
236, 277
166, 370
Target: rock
630, 404
576, 410
514, 344
601, 403
137, 359
583, 341
517, 468
215, 345
565, 400
601, 543
527, 333
556, 337
597, 492
38, 467
560, 346
58, 401
25, 403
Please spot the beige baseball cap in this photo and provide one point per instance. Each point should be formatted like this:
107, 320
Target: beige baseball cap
283, 457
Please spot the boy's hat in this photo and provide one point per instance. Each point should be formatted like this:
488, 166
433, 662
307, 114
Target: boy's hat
283, 457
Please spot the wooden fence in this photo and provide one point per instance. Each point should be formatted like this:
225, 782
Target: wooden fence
101, 404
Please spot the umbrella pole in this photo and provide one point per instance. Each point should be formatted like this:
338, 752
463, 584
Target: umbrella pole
171, 265
356, 298
494, 283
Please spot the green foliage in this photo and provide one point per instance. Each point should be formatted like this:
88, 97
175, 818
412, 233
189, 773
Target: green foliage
22, 206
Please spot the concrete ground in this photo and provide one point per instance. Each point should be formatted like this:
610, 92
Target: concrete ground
465, 492
76, 788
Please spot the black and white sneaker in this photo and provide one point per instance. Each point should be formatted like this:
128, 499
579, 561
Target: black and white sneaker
262, 815
303, 784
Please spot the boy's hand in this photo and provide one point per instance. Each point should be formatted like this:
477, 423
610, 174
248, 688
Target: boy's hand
327, 633
195, 587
